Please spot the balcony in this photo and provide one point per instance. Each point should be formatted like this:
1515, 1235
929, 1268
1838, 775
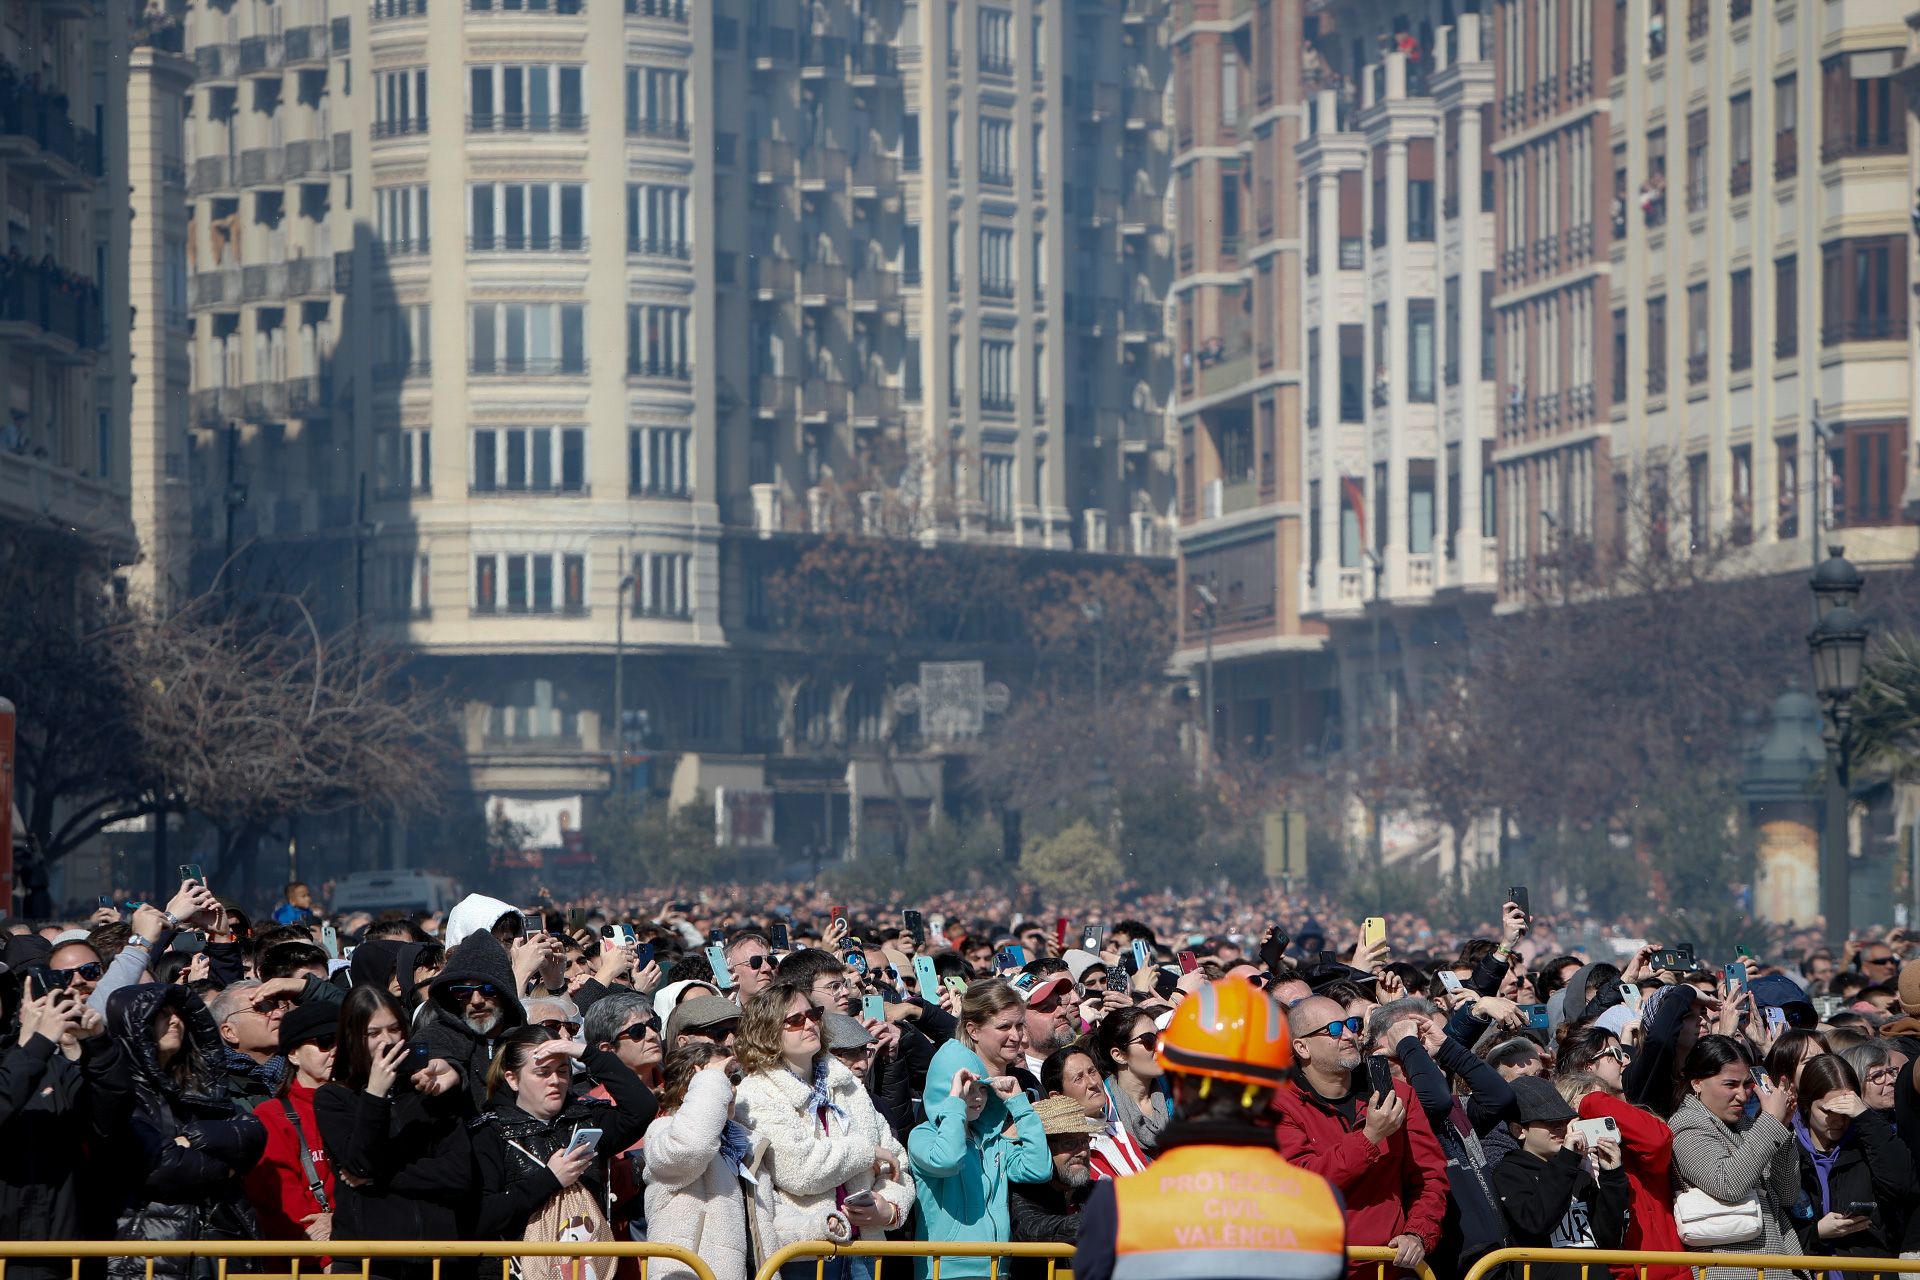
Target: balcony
822, 400
210, 173
305, 44
871, 64
35, 133
995, 176
209, 288
1142, 322
216, 406
562, 7
406, 126
562, 122
641, 366
772, 396
263, 166
823, 169
1862, 329
526, 244
876, 289
307, 156
309, 397
772, 160
992, 64
260, 54
1226, 373
875, 405
395, 250
1740, 181
1864, 142
395, 10
214, 62
655, 247
772, 278
1786, 153
264, 402
263, 281
1353, 254
1146, 109
1097, 100
526, 367
822, 57
991, 287
309, 277
769, 46
823, 284
1657, 378
660, 10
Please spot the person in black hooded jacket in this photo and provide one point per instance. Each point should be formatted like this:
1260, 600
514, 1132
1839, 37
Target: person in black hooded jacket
64, 1093
474, 1001
521, 1150
189, 1144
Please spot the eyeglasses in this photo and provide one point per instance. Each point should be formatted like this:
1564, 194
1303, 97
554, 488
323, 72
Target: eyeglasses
1332, 1030
1148, 1040
467, 990
638, 1031
1619, 1053
323, 1043
90, 971
1882, 1075
717, 1032
755, 962
272, 1005
560, 1028
1882, 960
795, 1021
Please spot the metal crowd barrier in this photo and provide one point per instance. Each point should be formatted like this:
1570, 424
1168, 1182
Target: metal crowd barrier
1601, 1261
1058, 1258
292, 1253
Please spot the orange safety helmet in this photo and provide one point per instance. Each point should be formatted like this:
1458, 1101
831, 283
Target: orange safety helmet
1229, 1030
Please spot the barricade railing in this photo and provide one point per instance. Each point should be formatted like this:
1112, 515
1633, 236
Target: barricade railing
1597, 1264
1059, 1258
344, 1253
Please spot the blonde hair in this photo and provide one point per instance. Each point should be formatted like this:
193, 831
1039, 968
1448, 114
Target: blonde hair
1576, 1085
986, 1000
757, 1045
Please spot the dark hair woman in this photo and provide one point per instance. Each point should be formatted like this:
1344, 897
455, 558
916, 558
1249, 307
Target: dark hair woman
1718, 1149
188, 1139
1124, 1045
397, 1137
1856, 1173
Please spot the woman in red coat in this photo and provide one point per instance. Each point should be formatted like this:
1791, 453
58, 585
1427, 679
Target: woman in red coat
292, 1186
1595, 1056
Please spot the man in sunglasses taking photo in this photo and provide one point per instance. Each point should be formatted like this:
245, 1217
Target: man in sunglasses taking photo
1375, 1147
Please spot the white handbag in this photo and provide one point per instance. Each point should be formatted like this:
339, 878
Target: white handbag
1707, 1223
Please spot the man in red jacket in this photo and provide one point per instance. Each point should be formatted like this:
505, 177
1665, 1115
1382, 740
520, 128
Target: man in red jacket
1377, 1150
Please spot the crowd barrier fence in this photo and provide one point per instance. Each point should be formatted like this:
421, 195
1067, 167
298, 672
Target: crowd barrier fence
1519, 1263
294, 1254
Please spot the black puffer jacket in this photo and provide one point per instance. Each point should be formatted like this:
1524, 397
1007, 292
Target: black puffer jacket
56, 1117
511, 1148
443, 1029
180, 1190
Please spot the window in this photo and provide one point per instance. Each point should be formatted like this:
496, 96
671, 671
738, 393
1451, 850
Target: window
1619, 357
1353, 375
657, 341
407, 580
529, 338
996, 489
530, 582
400, 219
656, 99
406, 461
1349, 525
521, 217
1740, 493
910, 142
1696, 161
400, 102
404, 340
1699, 500
1865, 290
1656, 346
1420, 209
996, 152
996, 42
1786, 469
1420, 371
657, 462
1740, 144
1378, 497
529, 460
1230, 213
534, 711
662, 586
525, 98
1740, 307
1229, 85
996, 262
1869, 472
1451, 319
1864, 109
953, 144
1488, 502
996, 375
1786, 307
1420, 507
1236, 449
1786, 126
1314, 380
1696, 334
657, 220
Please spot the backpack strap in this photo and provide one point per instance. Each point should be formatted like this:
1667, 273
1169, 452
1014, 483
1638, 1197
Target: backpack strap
314, 1184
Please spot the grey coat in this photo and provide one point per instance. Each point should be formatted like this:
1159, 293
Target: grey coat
1754, 1158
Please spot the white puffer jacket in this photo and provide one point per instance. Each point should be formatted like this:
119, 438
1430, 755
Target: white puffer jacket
695, 1198
799, 1168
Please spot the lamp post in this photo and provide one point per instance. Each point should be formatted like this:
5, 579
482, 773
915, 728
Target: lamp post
1206, 613
620, 687
1095, 612
1838, 643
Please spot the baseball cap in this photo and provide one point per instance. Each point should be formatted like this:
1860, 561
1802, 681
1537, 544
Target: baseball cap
1044, 988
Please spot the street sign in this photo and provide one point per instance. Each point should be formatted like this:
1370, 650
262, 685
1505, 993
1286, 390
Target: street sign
1284, 841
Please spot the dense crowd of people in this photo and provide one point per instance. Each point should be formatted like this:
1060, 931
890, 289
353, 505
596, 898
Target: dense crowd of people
733, 1079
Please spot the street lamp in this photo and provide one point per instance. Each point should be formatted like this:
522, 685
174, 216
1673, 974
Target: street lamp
1206, 613
620, 686
1095, 612
1838, 643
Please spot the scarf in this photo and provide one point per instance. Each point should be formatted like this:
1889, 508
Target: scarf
817, 1100
1822, 1163
735, 1145
1144, 1123
267, 1073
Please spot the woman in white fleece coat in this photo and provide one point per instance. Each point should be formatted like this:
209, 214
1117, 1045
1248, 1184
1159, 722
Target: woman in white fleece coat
817, 1139
695, 1153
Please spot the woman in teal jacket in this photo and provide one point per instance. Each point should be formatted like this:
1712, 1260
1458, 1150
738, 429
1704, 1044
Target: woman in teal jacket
962, 1155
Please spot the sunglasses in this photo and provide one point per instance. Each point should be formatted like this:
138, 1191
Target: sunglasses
1619, 1053
467, 990
89, 972
1883, 960
755, 962
272, 1005
1148, 1040
561, 1029
320, 1042
795, 1021
1333, 1029
638, 1031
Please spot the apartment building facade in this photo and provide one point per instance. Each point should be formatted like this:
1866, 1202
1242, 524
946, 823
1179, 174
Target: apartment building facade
544, 329
1240, 107
65, 523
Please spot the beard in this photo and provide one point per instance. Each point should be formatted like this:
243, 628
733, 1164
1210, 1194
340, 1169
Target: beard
1075, 1176
481, 1024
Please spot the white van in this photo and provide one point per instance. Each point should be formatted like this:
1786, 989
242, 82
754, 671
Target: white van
415, 891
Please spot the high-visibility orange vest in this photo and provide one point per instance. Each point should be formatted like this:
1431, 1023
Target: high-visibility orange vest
1227, 1213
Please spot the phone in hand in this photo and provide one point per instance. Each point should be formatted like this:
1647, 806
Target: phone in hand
642, 957
717, 937
916, 925
1670, 960
1009, 958
1141, 960
955, 984
589, 1138
106, 903
1602, 1129
859, 1200
1859, 1208
781, 937
927, 978
43, 981
1373, 931
1776, 1019
1762, 1081
1060, 927
1090, 938
1379, 1075
1630, 995
873, 1008
532, 924
838, 913
191, 871
1165, 984
717, 961
1824, 1007
855, 958
1517, 895
419, 1057
1188, 961
1117, 980
330, 939
1328, 958
1536, 1016
1451, 981
1736, 976
621, 935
